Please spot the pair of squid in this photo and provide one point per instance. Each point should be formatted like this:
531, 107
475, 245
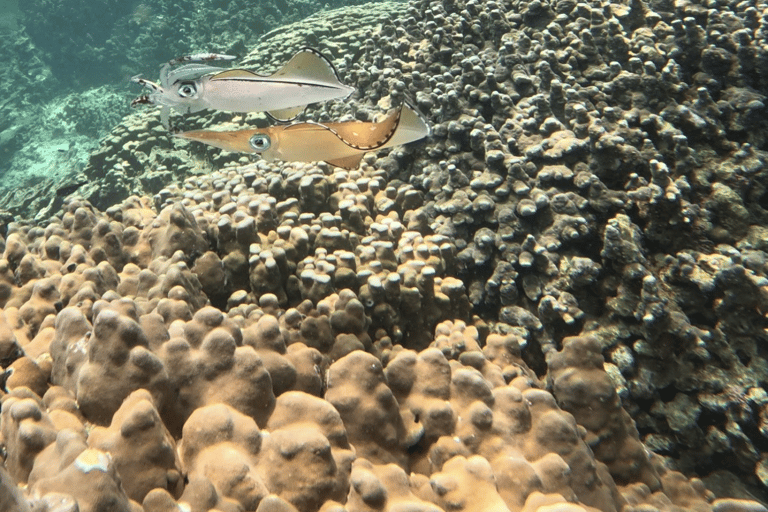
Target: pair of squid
307, 78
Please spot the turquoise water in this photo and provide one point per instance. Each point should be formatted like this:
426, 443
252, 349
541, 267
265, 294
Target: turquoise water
67, 65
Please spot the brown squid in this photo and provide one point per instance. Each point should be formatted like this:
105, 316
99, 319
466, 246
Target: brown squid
342, 144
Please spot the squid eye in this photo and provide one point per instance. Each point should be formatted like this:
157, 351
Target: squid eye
187, 90
260, 142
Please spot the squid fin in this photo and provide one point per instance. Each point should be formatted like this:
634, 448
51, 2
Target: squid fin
359, 135
376, 134
309, 64
235, 73
287, 114
412, 126
347, 162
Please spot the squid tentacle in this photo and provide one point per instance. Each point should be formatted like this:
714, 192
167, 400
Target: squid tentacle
146, 83
141, 100
189, 72
197, 57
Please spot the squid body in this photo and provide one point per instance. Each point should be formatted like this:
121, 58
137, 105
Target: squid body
341, 144
307, 78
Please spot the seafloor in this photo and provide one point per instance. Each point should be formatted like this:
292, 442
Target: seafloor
556, 302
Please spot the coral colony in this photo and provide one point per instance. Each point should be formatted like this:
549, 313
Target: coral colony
556, 301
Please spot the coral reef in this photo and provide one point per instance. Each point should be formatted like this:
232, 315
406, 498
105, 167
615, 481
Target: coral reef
557, 301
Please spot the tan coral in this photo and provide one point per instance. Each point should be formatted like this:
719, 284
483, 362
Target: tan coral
68, 346
348, 322
357, 388
267, 340
11, 498
27, 373
310, 366
382, 488
39, 347
43, 302
583, 388
307, 458
222, 445
7, 282
467, 484
69, 444
505, 352
92, 480
64, 411
26, 430
175, 229
208, 365
12, 336
141, 447
421, 384
118, 362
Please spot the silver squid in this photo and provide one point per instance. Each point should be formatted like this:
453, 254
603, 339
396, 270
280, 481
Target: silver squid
307, 78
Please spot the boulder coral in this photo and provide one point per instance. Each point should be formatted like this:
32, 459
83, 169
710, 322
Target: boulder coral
141, 448
556, 301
